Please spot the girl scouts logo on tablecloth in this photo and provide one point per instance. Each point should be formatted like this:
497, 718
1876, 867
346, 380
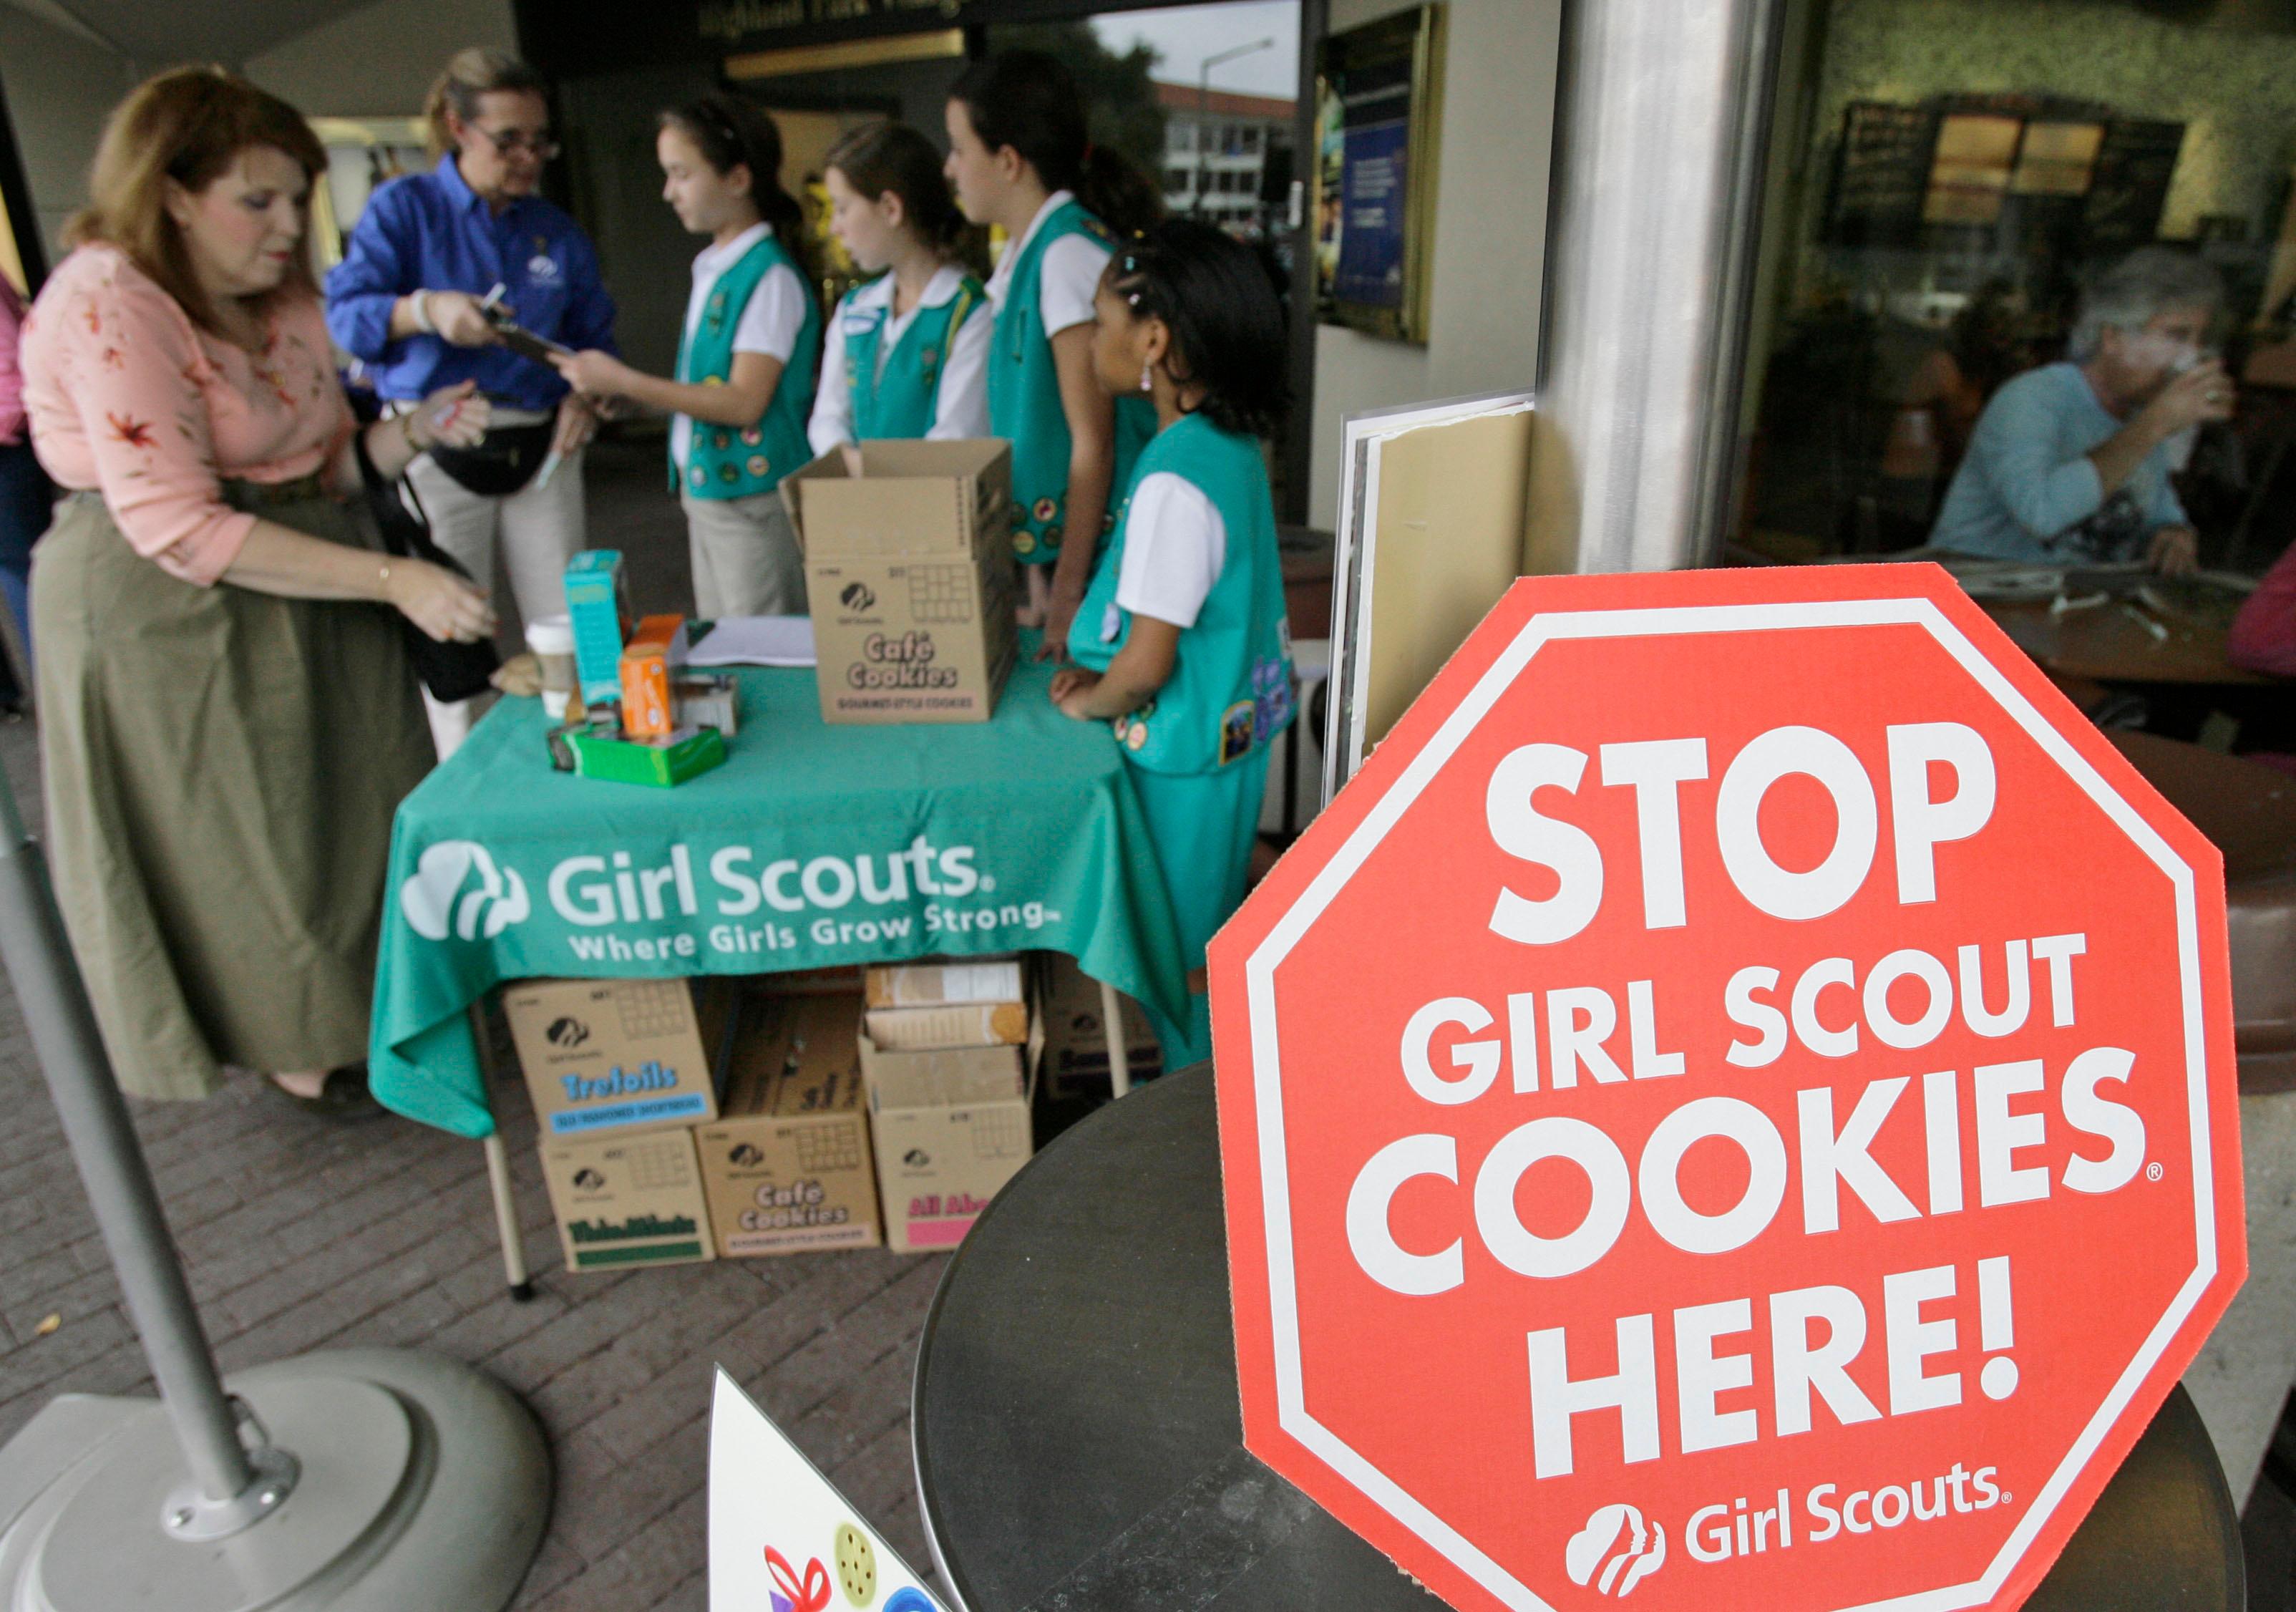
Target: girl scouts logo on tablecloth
458, 888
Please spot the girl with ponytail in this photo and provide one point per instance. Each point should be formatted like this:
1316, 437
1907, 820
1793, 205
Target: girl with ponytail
746, 360
910, 354
1020, 158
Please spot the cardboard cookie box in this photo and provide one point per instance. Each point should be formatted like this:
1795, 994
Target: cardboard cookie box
950, 1122
627, 1199
786, 1164
908, 570
618, 1054
1076, 1033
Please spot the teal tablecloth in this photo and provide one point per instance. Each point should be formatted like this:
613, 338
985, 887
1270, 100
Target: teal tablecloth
811, 846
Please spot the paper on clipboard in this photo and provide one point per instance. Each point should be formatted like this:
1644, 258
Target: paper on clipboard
780, 1538
755, 641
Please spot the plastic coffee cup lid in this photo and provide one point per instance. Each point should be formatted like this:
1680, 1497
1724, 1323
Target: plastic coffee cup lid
550, 635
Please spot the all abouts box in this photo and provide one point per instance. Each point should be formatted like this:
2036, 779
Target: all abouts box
616, 1055
786, 1166
951, 1127
627, 1200
909, 569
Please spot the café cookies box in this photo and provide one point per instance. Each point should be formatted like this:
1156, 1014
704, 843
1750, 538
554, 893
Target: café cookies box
950, 1124
786, 1165
908, 567
603, 1056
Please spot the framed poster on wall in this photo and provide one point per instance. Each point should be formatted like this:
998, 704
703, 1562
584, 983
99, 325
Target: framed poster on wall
1379, 109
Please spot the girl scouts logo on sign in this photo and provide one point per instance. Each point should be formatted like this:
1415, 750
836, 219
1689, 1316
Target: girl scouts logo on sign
1709, 1045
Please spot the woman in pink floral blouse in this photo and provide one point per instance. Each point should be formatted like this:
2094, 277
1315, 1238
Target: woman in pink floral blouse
228, 719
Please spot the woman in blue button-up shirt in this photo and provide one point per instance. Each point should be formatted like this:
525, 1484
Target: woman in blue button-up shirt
405, 300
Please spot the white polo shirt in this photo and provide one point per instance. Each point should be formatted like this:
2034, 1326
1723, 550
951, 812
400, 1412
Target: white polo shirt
770, 323
962, 407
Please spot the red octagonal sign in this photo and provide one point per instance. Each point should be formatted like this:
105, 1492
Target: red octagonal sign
1733, 1106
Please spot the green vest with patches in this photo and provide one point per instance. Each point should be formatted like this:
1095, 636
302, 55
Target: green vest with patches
903, 398
1024, 400
1230, 691
731, 462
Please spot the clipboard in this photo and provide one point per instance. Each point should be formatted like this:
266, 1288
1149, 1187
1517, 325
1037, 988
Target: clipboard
524, 343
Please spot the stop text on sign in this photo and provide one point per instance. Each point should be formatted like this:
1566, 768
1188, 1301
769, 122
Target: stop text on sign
1655, 769
1994, 1118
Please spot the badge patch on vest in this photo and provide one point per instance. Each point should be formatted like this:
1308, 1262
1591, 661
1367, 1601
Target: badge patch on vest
1237, 726
752, 437
1131, 730
757, 464
1024, 543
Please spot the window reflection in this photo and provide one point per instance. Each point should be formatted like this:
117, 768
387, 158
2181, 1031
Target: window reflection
1999, 232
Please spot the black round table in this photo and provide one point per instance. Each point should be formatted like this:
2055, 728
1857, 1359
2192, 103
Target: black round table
1079, 1447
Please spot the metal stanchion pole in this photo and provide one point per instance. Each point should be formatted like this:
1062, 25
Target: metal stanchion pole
421, 1482
120, 1189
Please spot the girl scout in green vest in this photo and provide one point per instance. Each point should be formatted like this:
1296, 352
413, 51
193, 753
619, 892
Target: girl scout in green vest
1019, 158
745, 362
908, 352
1181, 637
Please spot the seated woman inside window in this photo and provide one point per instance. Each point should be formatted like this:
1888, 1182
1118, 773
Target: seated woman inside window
2069, 462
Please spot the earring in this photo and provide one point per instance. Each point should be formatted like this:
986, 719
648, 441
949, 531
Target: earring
1147, 378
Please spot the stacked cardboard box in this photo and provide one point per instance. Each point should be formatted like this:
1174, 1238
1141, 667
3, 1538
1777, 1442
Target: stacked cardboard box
786, 1163
949, 1056
1076, 1030
619, 1071
706, 1119
908, 565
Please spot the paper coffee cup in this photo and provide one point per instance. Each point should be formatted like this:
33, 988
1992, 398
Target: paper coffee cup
551, 640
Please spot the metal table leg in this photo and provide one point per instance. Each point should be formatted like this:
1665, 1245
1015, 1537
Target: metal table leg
513, 1248
1119, 1061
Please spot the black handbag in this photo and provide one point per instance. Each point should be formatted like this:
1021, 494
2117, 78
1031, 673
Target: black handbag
451, 671
500, 463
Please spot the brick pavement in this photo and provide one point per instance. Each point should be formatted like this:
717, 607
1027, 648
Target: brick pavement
301, 1234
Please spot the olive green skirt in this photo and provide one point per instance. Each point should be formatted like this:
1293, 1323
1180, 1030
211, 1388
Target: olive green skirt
222, 766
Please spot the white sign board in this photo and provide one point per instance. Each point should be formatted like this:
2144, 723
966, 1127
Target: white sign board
780, 1538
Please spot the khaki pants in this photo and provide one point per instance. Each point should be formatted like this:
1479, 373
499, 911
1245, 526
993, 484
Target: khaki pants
745, 556
539, 528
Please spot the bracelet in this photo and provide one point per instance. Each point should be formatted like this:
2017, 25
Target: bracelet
420, 306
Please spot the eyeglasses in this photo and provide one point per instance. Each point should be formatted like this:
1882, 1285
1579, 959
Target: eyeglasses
543, 147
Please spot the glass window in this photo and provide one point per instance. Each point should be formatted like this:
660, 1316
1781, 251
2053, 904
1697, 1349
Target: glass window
2079, 203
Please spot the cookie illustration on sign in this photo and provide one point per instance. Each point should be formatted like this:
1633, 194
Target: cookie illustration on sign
857, 1565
